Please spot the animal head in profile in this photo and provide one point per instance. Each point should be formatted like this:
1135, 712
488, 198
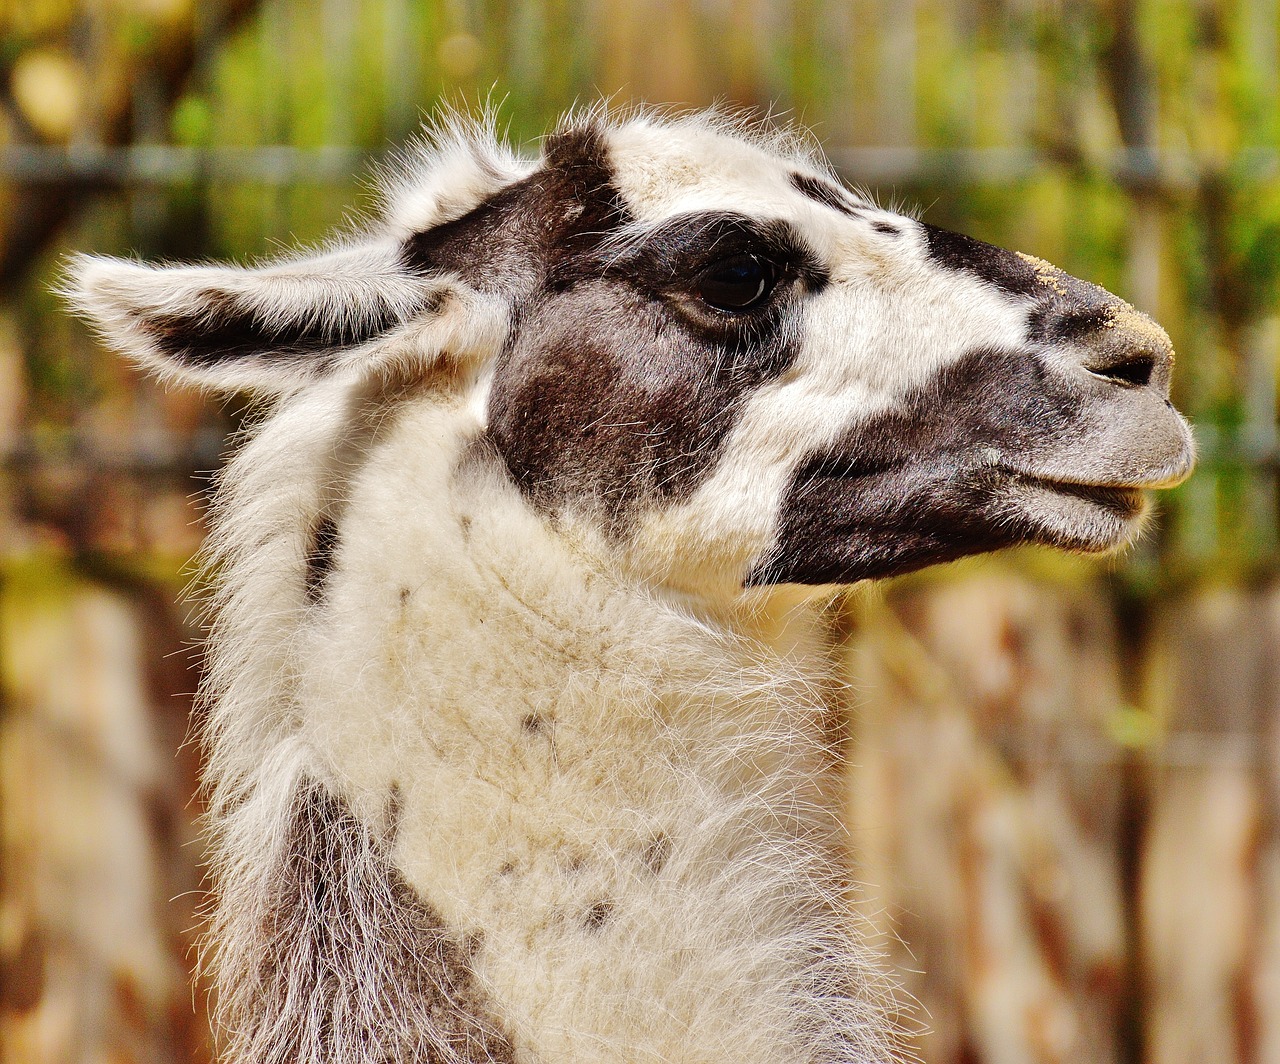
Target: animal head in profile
687, 337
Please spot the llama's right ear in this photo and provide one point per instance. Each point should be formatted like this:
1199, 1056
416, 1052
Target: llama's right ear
274, 328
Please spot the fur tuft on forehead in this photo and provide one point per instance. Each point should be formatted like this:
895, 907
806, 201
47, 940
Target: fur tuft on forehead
460, 160
456, 163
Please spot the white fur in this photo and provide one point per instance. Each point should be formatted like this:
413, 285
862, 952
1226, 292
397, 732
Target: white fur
453, 166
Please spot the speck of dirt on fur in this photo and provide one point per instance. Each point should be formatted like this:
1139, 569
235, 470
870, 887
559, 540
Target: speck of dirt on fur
598, 915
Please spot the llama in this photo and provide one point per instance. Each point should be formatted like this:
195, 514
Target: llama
518, 746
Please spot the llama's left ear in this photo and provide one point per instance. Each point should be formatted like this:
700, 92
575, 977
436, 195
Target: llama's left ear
275, 328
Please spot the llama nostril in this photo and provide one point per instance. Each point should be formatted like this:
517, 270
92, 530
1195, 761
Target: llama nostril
1130, 350
1136, 371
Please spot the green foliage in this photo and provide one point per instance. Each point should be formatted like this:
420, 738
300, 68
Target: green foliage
191, 123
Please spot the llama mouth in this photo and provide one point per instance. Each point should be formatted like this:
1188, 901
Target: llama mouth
1123, 500
1090, 517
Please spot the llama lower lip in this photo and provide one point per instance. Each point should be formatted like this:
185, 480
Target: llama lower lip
1121, 499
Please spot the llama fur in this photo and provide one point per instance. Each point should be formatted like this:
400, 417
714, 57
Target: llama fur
517, 761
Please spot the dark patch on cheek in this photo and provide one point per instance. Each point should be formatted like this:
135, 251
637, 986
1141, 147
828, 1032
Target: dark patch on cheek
916, 486
320, 558
823, 192
617, 384
609, 397
886, 228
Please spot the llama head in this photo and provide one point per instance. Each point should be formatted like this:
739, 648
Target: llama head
686, 340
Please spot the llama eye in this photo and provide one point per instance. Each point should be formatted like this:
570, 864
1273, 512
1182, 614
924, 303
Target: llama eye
738, 283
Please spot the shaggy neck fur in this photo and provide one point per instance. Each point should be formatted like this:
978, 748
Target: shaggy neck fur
617, 815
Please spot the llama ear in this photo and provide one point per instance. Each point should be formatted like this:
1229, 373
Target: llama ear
269, 329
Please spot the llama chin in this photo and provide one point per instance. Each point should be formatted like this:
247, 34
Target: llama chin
516, 744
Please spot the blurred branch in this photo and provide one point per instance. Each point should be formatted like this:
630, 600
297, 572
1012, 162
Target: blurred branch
45, 209
1128, 76
141, 165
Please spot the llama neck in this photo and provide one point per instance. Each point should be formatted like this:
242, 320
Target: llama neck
617, 806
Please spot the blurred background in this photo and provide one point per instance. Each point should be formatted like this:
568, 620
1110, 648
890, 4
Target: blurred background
1064, 775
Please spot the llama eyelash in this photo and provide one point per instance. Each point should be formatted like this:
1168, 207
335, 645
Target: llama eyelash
515, 682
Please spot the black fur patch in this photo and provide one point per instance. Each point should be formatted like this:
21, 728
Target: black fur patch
227, 329
352, 961
1078, 312
922, 483
483, 246
1006, 270
824, 192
